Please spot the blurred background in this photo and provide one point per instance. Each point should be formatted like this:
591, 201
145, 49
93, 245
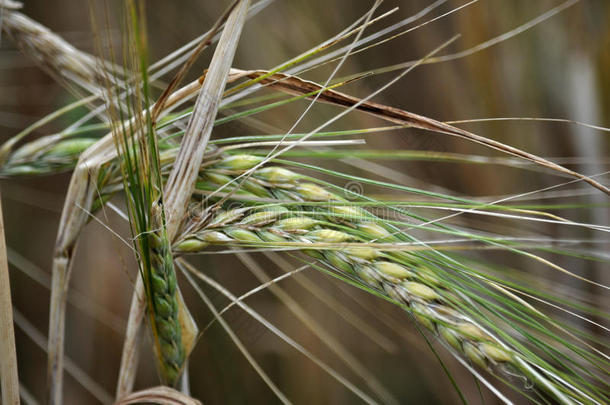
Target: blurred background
559, 68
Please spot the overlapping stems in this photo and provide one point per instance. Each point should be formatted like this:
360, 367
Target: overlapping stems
141, 175
284, 210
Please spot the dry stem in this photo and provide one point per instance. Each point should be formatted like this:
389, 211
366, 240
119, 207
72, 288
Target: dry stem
8, 353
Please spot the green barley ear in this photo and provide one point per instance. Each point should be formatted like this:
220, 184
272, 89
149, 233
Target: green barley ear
44, 156
162, 296
142, 178
441, 301
350, 241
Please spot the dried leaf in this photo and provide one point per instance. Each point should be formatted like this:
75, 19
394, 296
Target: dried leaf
158, 395
297, 86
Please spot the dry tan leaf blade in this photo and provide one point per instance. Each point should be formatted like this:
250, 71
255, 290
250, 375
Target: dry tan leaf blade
9, 380
297, 86
158, 395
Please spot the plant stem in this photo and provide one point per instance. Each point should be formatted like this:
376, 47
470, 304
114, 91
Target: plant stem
133, 337
8, 352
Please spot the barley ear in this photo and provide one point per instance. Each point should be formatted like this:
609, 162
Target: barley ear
163, 303
396, 275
